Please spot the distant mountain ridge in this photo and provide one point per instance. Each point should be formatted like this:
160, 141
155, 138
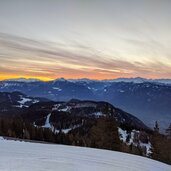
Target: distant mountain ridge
23, 80
133, 79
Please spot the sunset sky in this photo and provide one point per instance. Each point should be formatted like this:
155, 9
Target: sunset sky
98, 39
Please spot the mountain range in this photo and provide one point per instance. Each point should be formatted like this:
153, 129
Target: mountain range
146, 99
50, 114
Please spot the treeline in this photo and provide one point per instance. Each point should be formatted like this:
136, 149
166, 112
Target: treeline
17, 128
96, 133
161, 147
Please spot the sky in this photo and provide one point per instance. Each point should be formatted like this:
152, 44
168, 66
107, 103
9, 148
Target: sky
96, 39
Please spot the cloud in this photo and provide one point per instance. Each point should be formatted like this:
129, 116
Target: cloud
23, 56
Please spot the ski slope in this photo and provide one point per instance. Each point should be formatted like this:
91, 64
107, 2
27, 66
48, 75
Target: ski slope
26, 156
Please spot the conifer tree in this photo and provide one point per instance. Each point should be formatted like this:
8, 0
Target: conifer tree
156, 127
168, 132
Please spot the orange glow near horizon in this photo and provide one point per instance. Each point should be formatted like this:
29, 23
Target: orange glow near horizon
49, 79
6, 77
77, 75
43, 78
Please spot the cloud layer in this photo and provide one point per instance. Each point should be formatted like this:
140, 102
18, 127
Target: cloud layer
48, 60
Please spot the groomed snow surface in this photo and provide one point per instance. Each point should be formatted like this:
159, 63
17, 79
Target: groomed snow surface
26, 156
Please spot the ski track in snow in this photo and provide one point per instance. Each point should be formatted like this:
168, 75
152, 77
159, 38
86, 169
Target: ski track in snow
25, 156
47, 123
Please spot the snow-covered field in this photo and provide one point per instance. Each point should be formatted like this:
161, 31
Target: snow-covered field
25, 156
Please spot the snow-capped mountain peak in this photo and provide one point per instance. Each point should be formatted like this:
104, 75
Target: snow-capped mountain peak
26, 80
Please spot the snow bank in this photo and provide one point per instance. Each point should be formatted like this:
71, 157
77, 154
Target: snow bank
25, 156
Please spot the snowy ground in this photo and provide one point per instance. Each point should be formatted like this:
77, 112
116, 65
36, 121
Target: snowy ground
25, 156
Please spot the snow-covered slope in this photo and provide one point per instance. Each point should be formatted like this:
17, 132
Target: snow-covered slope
25, 156
14, 103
